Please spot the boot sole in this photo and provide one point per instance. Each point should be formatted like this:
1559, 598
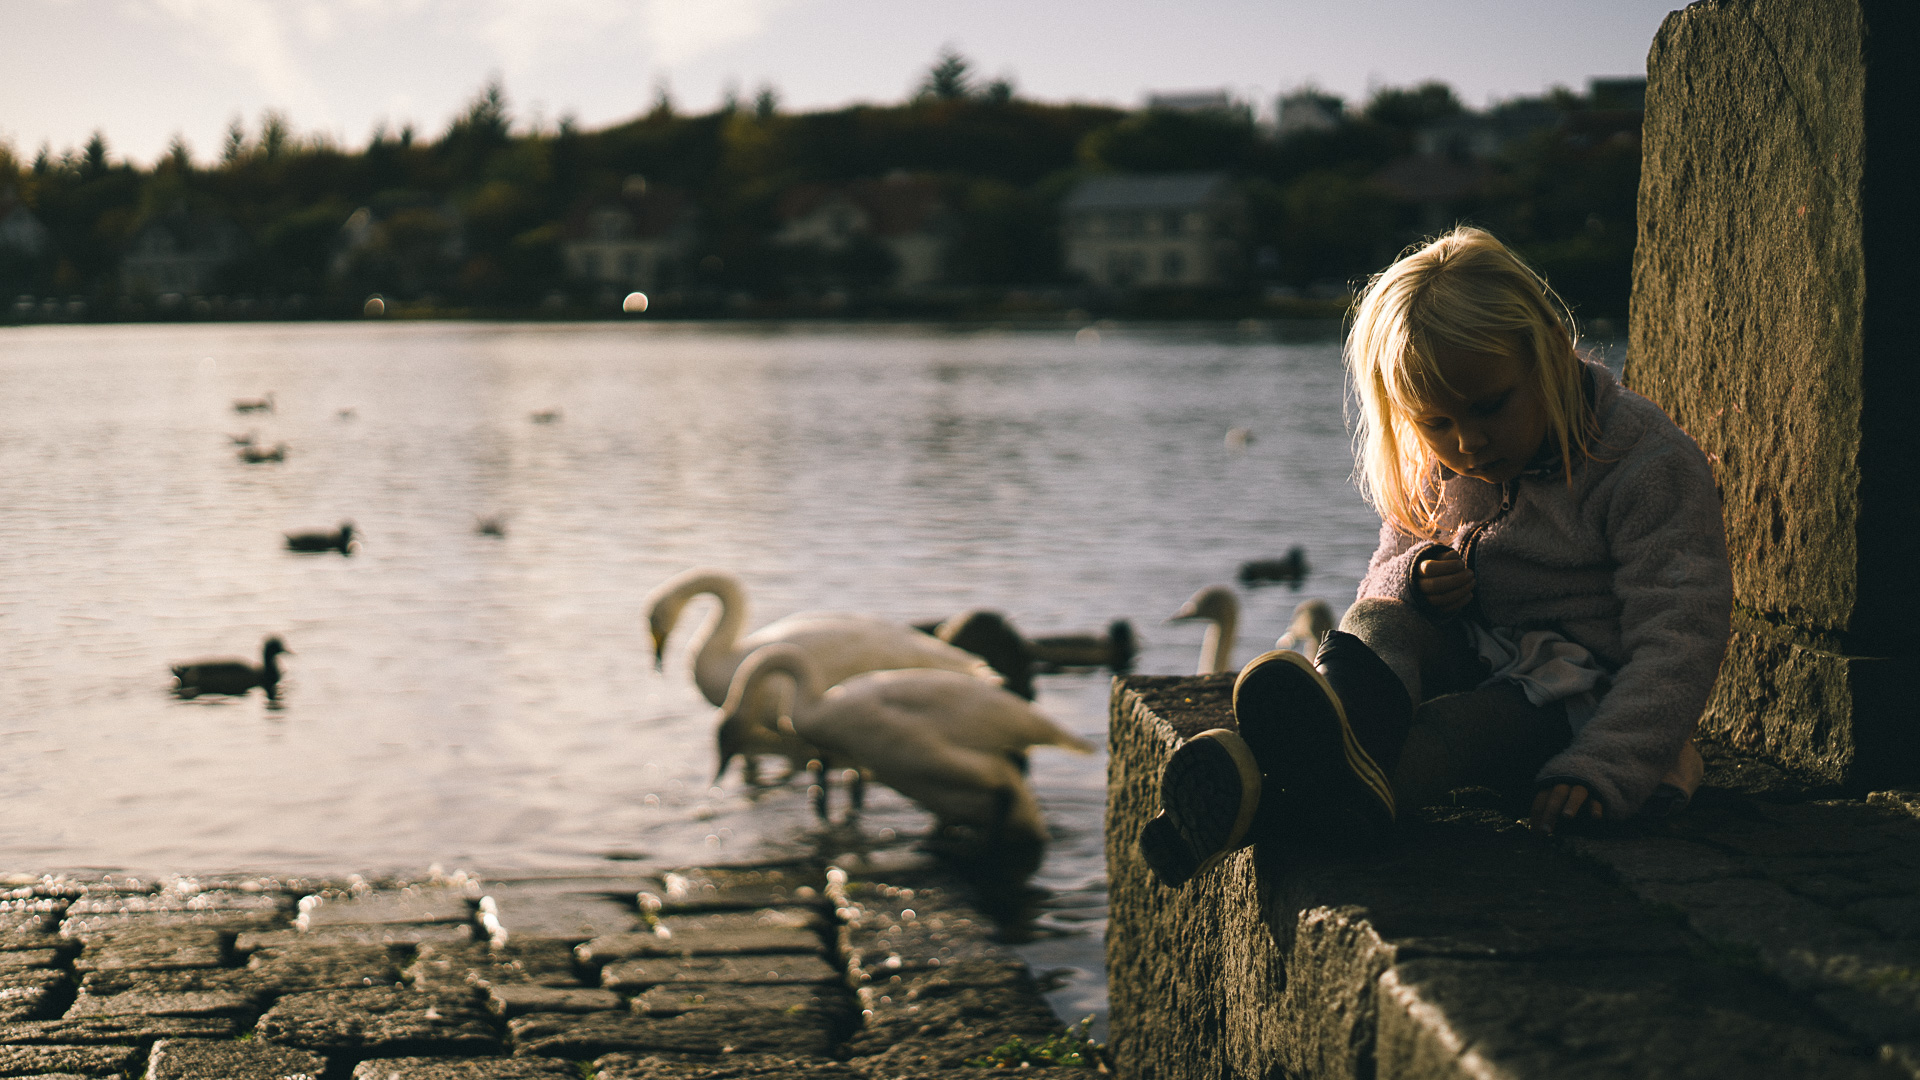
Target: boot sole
1292, 720
1209, 792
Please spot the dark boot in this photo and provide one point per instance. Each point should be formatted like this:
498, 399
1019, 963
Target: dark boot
1376, 702
1209, 793
1317, 773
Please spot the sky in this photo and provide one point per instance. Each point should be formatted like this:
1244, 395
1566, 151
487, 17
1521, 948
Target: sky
141, 71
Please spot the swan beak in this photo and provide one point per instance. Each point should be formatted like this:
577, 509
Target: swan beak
1187, 611
659, 651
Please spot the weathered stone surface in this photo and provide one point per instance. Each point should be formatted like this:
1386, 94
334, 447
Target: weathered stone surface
395, 934
743, 889
702, 1031
380, 1021
193, 1059
28, 959
242, 1007
301, 965
1680, 1018
509, 1000
942, 981
426, 1068
66, 1060
729, 1067
1276, 962
156, 948
737, 941
414, 905
471, 965
948, 1029
745, 921
33, 995
185, 981
576, 910
113, 1030
639, 974
1773, 282
231, 912
671, 1000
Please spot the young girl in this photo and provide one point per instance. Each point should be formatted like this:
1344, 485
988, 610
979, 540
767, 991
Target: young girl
1546, 611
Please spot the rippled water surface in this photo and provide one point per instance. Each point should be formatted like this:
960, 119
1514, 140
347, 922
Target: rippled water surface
491, 702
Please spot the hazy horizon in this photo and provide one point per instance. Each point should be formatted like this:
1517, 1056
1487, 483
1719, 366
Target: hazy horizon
141, 71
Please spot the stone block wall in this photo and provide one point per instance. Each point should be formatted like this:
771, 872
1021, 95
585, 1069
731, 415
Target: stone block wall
1774, 289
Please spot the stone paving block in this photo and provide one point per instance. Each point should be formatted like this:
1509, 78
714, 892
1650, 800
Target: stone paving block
570, 909
153, 949
1669, 1017
112, 1030
446, 933
727, 1067
476, 965
302, 965
885, 1069
746, 921
878, 947
831, 1003
915, 984
412, 905
33, 995
241, 1007
737, 890
510, 1001
28, 959
194, 1059
186, 981
66, 1060
946, 1031
746, 941
380, 1021
639, 974
429, 1068
702, 1031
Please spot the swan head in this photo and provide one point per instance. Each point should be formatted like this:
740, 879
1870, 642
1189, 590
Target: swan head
1215, 603
757, 717
669, 598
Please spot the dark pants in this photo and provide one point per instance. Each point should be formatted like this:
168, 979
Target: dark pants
1461, 736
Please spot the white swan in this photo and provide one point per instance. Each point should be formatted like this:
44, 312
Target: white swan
839, 646
952, 743
1221, 609
1312, 618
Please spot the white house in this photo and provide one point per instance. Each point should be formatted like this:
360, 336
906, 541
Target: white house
1173, 230
638, 240
1306, 109
907, 215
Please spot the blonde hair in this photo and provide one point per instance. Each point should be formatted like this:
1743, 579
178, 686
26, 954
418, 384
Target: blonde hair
1464, 292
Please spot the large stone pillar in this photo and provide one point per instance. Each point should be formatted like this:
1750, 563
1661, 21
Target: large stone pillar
1776, 317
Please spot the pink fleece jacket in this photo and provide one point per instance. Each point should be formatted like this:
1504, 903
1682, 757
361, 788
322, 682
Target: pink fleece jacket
1629, 560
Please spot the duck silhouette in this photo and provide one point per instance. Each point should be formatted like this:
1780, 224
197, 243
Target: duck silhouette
231, 675
263, 403
255, 454
319, 540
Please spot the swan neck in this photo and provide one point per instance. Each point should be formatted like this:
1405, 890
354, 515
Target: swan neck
715, 642
1216, 652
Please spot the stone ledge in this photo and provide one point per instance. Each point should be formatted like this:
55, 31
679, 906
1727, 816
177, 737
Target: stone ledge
1746, 938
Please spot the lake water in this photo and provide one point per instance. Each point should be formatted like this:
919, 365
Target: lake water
491, 703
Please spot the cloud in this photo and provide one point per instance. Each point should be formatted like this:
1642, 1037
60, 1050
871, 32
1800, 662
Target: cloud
253, 37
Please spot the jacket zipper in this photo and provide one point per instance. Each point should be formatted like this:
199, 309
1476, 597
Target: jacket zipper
1507, 492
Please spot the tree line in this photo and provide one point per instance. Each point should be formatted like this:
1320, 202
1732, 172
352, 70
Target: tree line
475, 218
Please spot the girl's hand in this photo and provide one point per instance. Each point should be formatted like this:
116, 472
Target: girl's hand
1444, 580
1563, 801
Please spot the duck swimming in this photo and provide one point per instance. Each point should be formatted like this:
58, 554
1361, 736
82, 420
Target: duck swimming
319, 540
230, 675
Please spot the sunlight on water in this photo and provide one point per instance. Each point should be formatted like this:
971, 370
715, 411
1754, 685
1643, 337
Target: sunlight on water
489, 700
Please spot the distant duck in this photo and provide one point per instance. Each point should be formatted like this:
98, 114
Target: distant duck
494, 525
263, 403
1113, 650
954, 744
1312, 619
257, 455
318, 540
990, 636
232, 676
1220, 609
1291, 568
546, 416
244, 439
345, 414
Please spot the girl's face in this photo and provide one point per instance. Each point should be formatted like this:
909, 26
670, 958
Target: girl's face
1492, 421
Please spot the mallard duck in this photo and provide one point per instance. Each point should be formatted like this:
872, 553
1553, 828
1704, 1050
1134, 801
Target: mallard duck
319, 540
230, 675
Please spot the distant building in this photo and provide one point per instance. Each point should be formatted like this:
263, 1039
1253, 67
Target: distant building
1174, 230
1191, 101
637, 240
1483, 136
22, 237
904, 216
1307, 110
181, 253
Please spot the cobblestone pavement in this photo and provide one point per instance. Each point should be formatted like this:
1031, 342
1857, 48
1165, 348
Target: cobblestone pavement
793, 970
